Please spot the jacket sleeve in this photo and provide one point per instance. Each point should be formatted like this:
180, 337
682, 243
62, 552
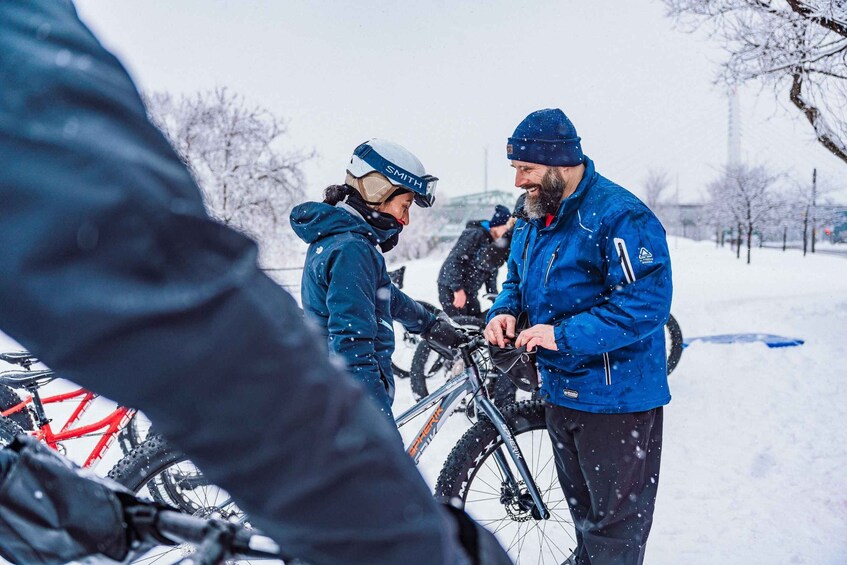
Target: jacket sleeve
639, 287
458, 261
414, 317
352, 324
509, 299
116, 277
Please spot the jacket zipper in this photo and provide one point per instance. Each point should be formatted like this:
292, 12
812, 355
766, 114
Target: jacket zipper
550, 264
629, 275
623, 256
525, 253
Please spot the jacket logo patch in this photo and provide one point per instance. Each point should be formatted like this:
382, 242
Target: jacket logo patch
645, 256
571, 393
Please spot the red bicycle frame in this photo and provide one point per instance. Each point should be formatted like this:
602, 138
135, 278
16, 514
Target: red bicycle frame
115, 421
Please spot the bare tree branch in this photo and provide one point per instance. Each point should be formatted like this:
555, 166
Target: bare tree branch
234, 151
794, 45
814, 116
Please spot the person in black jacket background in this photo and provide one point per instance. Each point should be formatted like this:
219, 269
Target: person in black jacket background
475, 259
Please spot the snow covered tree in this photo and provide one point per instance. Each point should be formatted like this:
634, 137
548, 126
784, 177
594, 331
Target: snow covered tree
798, 47
812, 209
420, 237
235, 153
656, 187
744, 197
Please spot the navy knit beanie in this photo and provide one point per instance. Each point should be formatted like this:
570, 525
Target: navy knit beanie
546, 137
500, 217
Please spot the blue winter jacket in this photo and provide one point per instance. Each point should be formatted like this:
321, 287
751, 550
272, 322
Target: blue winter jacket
347, 291
600, 273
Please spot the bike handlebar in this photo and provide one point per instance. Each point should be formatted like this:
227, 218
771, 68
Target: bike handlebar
215, 539
191, 529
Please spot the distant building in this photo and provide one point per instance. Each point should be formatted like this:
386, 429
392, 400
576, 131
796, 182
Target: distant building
836, 230
686, 220
480, 206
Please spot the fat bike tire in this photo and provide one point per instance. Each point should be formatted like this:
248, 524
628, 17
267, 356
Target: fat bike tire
472, 480
9, 429
134, 433
673, 335
9, 398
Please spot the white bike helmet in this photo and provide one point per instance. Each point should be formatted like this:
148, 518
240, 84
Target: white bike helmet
379, 167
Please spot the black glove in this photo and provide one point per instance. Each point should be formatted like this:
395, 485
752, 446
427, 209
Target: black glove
444, 337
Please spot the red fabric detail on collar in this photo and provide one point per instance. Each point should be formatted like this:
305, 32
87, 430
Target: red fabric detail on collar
549, 220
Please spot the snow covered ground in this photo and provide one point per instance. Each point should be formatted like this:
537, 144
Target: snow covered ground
754, 465
754, 462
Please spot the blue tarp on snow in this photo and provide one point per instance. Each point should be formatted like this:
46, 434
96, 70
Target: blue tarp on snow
768, 339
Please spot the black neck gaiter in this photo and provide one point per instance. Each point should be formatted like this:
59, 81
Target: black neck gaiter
379, 220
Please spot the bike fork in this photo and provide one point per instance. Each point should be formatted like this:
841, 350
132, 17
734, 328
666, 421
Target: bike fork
514, 451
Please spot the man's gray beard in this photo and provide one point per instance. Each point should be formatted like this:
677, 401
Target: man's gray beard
548, 196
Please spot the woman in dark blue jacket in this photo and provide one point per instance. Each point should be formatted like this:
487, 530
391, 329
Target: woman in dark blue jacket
345, 286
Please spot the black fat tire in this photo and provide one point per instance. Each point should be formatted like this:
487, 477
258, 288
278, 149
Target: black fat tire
155, 470
425, 358
145, 461
9, 398
9, 429
134, 433
398, 372
673, 333
460, 484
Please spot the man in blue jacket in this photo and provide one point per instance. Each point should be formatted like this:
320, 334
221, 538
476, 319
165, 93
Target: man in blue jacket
590, 267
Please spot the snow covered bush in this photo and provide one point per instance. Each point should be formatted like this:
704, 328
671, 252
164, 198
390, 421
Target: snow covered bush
421, 236
249, 178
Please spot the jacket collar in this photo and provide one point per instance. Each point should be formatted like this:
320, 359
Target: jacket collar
313, 221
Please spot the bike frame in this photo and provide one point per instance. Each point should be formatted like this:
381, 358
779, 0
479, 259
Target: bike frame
112, 423
446, 399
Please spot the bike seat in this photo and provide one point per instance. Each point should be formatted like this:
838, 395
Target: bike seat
26, 379
24, 358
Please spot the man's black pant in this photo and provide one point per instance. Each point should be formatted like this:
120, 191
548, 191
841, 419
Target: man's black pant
608, 465
471, 308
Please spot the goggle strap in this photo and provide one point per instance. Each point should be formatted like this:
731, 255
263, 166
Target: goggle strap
422, 185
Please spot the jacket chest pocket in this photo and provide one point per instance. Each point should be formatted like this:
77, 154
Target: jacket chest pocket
607, 369
550, 263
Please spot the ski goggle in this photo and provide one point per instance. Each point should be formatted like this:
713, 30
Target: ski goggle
423, 187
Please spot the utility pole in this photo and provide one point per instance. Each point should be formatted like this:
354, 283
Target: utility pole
814, 197
485, 168
733, 144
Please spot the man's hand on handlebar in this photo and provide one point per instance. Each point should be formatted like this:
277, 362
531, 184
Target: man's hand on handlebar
500, 329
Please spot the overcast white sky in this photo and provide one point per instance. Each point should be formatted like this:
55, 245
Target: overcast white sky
449, 79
